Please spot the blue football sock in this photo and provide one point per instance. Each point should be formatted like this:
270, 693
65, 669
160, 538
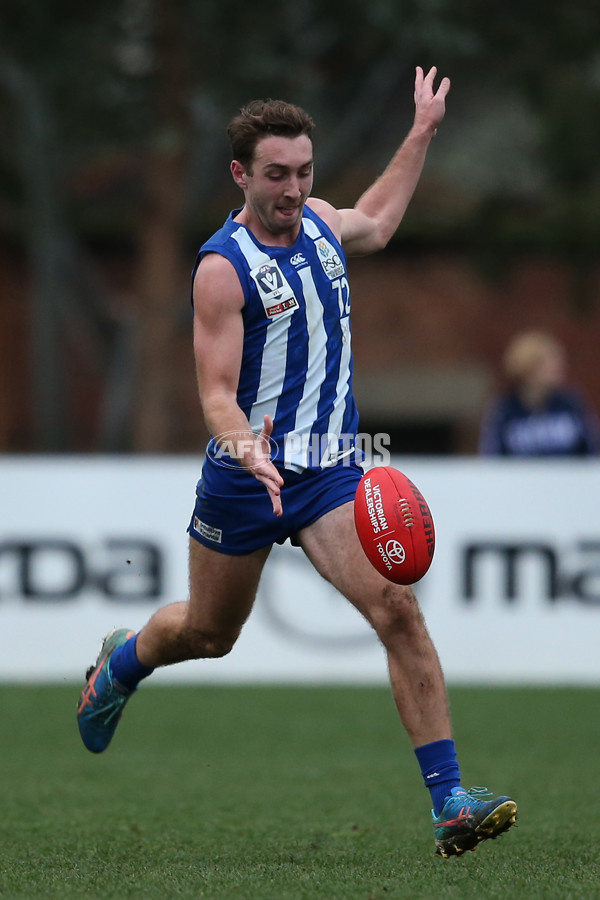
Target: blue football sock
126, 667
440, 770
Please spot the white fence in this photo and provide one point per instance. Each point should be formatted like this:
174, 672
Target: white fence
513, 594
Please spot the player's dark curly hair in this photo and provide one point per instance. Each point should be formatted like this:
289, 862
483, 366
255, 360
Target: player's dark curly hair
261, 118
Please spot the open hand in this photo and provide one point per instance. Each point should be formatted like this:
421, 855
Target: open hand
263, 469
430, 106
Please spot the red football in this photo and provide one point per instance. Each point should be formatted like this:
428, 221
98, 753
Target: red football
394, 525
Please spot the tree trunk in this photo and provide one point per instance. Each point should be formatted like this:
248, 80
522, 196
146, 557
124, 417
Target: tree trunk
161, 267
45, 241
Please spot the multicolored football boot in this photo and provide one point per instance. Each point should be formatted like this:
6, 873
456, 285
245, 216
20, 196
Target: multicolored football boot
102, 700
469, 817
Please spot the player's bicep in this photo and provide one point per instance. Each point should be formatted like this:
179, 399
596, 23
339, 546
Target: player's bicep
359, 233
218, 325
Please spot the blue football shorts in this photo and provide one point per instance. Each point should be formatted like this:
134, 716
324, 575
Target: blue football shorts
234, 514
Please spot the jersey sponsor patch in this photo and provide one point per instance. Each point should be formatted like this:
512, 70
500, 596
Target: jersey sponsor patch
329, 259
273, 289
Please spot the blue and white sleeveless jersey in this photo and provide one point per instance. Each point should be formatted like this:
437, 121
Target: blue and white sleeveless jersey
297, 359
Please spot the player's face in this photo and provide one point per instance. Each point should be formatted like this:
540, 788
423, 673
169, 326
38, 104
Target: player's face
279, 183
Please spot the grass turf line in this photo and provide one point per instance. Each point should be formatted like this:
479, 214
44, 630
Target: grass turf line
290, 792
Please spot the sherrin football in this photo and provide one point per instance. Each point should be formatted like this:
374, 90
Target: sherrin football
394, 525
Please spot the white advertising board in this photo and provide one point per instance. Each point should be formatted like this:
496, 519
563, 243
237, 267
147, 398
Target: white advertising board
513, 594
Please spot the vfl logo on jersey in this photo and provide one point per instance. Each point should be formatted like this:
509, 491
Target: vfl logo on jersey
329, 259
274, 291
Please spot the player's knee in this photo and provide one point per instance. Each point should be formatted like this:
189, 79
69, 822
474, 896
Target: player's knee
396, 612
206, 645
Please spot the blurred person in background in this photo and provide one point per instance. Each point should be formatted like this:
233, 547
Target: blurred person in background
539, 414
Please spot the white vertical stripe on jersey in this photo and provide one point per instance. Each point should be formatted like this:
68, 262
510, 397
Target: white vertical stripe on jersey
272, 371
336, 418
306, 413
311, 228
253, 254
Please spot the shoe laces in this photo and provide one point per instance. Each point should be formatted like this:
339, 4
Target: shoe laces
461, 801
477, 793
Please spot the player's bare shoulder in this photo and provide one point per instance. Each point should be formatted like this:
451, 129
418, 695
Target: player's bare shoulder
217, 282
327, 212
349, 226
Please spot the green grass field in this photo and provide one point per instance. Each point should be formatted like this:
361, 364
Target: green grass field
260, 793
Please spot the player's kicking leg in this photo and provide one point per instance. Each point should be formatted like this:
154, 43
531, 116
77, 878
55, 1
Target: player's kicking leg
461, 818
222, 591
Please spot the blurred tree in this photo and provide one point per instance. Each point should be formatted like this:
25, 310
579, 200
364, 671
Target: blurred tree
132, 97
36, 153
49, 72
160, 228
546, 56
152, 83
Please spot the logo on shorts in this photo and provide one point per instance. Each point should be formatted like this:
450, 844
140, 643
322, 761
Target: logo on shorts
231, 448
208, 531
